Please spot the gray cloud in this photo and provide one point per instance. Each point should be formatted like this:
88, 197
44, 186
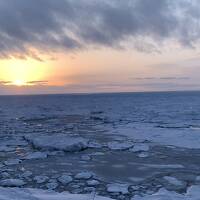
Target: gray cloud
4, 82
49, 25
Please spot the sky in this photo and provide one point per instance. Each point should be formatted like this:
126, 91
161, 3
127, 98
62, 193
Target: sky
91, 46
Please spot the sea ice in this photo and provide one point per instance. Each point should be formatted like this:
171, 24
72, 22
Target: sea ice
120, 145
12, 182
52, 185
140, 147
193, 193
12, 162
58, 142
65, 179
40, 179
38, 194
143, 155
173, 180
174, 183
36, 155
118, 188
84, 175
93, 183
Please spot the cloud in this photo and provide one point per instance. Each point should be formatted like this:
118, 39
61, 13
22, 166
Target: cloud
160, 78
4, 82
29, 28
37, 83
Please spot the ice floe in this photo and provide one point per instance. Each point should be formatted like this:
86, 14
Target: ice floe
84, 175
58, 142
40, 179
117, 188
93, 183
193, 193
140, 147
65, 179
120, 145
36, 155
12, 182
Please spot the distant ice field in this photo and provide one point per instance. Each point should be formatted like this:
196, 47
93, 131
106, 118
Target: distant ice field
118, 146
170, 118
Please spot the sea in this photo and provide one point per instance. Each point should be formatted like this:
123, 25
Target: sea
132, 139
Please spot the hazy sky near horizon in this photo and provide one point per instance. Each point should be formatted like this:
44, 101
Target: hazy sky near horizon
49, 46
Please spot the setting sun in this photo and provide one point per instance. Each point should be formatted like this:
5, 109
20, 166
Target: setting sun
21, 72
19, 83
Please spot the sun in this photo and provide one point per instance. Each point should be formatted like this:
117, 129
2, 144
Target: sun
21, 72
19, 83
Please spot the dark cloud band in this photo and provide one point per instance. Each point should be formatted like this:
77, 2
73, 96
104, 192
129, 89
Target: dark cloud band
49, 25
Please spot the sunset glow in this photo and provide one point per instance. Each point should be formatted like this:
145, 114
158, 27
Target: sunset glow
119, 47
20, 72
19, 82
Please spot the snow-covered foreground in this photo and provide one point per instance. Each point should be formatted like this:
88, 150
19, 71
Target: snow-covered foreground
37, 194
193, 193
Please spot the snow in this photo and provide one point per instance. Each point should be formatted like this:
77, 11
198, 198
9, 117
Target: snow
193, 193
12, 182
60, 142
37, 194
118, 188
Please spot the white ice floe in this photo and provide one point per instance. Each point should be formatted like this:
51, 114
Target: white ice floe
162, 136
58, 142
36, 155
143, 155
193, 193
173, 180
138, 147
37, 194
65, 179
117, 188
120, 145
93, 183
52, 185
84, 175
12, 183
